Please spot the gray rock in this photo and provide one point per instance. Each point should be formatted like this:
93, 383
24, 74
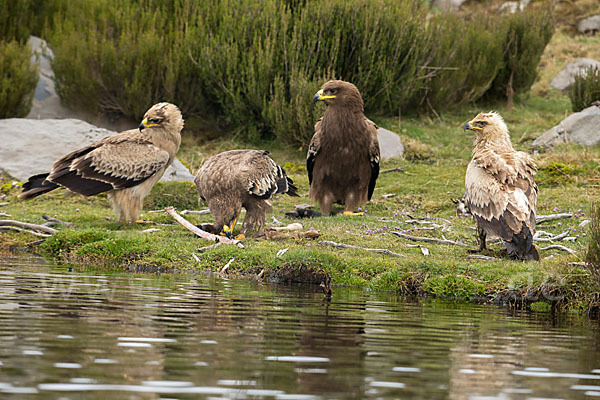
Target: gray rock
580, 127
566, 77
589, 25
390, 145
46, 103
447, 5
513, 6
30, 146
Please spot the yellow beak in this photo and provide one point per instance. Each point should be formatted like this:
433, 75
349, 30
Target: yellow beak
144, 124
319, 96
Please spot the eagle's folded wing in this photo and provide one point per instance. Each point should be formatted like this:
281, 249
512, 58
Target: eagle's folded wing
109, 165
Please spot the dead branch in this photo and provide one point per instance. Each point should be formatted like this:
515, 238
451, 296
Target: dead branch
25, 225
212, 246
270, 234
551, 217
551, 238
199, 232
193, 212
226, 267
481, 257
559, 247
55, 221
349, 246
296, 226
16, 229
397, 169
3, 204
427, 239
3, 214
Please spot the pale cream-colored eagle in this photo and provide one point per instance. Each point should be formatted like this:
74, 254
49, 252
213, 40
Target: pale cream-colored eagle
500, 190
343, 155
234, 179
125, 165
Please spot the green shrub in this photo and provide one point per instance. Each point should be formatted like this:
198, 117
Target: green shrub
586, 89
254, 65
593, 253
524, 37
18, 78
464, 60
181, 195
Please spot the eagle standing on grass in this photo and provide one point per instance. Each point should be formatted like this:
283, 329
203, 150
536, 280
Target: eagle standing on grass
343, 155
125, 165
234, 179
500, 191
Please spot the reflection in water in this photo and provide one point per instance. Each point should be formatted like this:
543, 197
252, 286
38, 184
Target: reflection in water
95, 335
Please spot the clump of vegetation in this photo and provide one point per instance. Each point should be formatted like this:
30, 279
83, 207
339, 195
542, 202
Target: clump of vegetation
257, 63
524, 36
18, 79
593, 253
415, 150
557, 172
586, 89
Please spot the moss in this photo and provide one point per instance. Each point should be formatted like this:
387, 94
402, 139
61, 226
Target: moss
181, 195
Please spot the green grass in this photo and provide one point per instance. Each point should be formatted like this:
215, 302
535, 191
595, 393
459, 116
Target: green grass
568, 182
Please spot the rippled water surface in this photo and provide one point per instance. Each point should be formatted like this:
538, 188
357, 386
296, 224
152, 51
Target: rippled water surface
70, 334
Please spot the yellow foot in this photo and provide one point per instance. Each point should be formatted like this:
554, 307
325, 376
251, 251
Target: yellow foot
353, 213
143, 221
240, 236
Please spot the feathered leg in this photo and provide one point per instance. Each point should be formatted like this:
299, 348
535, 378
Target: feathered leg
521, 246
256, 213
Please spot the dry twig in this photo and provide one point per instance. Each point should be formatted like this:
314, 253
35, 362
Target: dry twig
212, 246
55, 221
481, 257
199, 232
551, 217
559, 247
427, 239
25, 225
16, 229
397, 169
349, 246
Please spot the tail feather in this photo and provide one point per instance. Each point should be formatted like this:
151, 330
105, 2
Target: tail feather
35, 186
521, 246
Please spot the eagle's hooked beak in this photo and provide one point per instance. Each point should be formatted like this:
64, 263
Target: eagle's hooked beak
471, 127
144, 124
319, 96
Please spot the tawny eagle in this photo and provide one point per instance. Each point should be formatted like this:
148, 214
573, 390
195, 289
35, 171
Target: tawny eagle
234, 179
125, 165
343, 155
500, 191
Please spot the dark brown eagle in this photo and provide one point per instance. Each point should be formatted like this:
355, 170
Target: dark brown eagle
500, 191
234, 179
343, 155
125, 165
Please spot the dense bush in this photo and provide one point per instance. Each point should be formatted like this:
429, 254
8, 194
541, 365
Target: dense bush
593, 254
523, 39
586, 89
254, 65
18, 78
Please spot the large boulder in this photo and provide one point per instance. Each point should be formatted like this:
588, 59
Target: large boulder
580, 127
30, 146
566, 77
390, 145
589, 25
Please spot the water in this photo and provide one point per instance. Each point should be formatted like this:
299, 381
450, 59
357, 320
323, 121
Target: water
91, 335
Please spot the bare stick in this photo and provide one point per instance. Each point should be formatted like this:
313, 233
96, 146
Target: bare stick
559, 247
55, 221
199, 212
349, 246
25, 225
427, 239
212, 246
3, 214
199, 232
481, 257
226, 267
551, 217
3, 204
14, 228
397, 169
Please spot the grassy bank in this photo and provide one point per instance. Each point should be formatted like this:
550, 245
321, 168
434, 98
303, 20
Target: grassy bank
437, 155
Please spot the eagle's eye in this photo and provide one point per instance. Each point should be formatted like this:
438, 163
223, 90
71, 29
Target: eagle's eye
481, 124
154, 121
332, 91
